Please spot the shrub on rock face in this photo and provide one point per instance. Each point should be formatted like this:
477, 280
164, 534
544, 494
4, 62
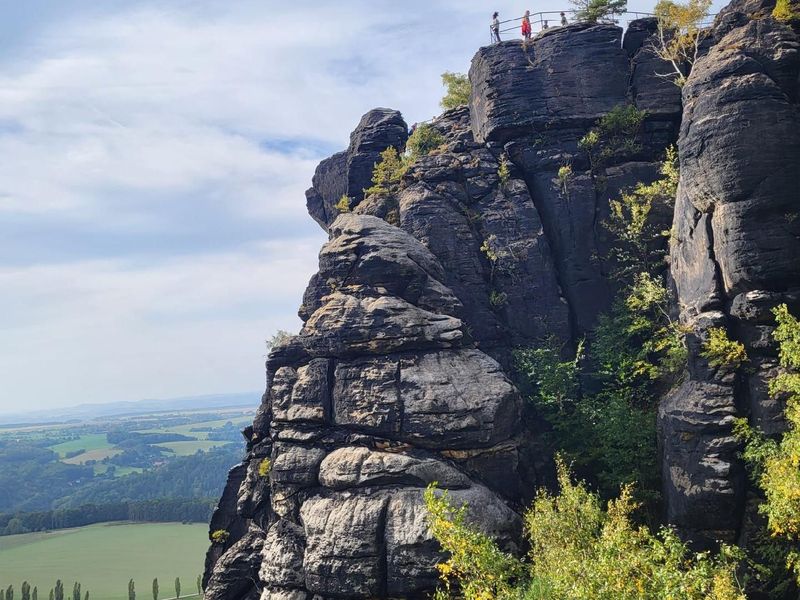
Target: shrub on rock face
458, 90
579, 551
420, 143
784, 12
343, 205
388, 172
614, 135
776, 464
722, 352
220, 536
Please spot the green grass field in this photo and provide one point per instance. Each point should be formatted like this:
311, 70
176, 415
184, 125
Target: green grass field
189, 448
88, 442
104, 557
239, 421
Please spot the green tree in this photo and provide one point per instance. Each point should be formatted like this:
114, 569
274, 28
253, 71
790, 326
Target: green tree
86, 596
131, 590
680, 34
596, 10
76, 591
388, 172
59, 594
155, 589
10, 592
2, 595
420, 143
35, 593
177, 587
199, 585
458, 90
25, 591
52, 594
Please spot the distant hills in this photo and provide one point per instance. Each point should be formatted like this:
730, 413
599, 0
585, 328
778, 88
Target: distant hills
87, 412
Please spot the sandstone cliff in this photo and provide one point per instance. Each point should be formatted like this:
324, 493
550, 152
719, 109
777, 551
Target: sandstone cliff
400, 375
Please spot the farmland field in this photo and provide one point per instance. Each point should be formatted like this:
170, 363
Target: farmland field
189, 448
104, 557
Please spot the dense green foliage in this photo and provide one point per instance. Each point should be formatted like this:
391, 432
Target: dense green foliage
458, 90
613, 136
579, 551
776, 463
722, 352
388, 172
422, 142
600, 401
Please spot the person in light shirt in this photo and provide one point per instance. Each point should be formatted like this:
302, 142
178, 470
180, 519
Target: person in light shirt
495, 27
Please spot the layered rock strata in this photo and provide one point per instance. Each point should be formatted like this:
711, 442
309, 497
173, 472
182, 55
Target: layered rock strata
735, 255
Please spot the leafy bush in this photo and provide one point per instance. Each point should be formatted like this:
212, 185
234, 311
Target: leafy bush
564, 176
579, 551
503, 171
722, 352
264, 467
220, 536
613, 135
343, 205
497, 299
595, 10
776, 464
420, 143
785, 12
481, 569
458, 90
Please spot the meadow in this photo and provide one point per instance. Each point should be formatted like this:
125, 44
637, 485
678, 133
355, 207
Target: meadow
104, 557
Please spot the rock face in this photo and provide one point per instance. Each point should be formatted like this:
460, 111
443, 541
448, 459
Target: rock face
735, 255
495, 240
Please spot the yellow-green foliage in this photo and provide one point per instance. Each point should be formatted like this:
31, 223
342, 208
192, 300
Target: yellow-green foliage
637, 237
680, 32
777, 464
784, 11
343, 205
264, 467
613, 135
420, 143
458, 90
220, 536
579, 551
722, 352
481, 570
388, 172
564, 176
503, 171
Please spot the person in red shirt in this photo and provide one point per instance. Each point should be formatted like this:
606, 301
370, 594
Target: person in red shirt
526, 25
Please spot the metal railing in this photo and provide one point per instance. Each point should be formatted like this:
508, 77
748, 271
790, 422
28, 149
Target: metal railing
541, 21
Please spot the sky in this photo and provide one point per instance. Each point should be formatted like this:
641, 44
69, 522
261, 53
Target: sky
153, 230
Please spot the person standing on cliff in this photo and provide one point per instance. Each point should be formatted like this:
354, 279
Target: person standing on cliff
526, 26
563, 20
495, 27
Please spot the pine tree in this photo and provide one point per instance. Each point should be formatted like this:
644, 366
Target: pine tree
2, 595
177, 587
199, 585
131, 590
76, 591
52, 594
59, 590
35, 594
26, 591
10, 592
155, 588
86, 597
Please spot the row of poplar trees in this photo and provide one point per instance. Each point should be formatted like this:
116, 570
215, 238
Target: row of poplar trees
57, 593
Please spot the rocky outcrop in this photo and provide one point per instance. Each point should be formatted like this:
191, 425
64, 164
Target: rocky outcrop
495, 240
349, 173
735, 255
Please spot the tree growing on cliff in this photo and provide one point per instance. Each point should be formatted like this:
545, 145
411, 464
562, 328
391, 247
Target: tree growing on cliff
177, 587
597, 10
131, 590
155, 589
680, 34
458, 90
